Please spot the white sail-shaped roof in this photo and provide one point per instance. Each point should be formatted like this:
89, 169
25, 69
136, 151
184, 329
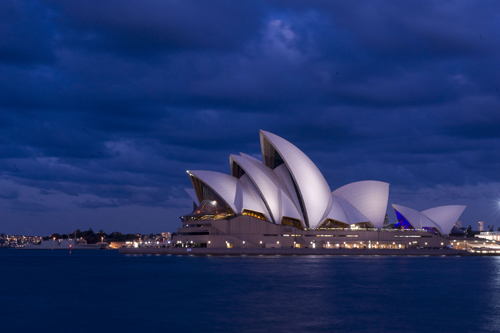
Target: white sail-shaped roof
337, 212
285, 177
352, 213
255, 195
269, 186
411, 215
428, 223
445, 216
230, 189
249, 157
442, 218
370, 197
288, 209
265, 183
313, 189
192, 193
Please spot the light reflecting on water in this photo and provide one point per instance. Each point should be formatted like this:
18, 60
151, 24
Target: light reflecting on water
491, 289
105, 291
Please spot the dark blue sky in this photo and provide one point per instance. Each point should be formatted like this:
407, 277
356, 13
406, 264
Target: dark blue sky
105, 104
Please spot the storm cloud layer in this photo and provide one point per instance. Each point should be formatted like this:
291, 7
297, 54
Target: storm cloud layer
105, 104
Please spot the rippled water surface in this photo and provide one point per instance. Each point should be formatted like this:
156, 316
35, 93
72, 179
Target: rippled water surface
103, 291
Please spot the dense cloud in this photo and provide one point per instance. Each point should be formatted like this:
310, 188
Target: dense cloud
104, 105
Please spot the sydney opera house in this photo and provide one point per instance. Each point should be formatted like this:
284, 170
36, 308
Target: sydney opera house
284, 201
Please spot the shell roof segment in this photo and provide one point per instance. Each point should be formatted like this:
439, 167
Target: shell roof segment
286, 179
411, 215
313, 189
251, 158
442, 218
251, 199
288, 209
230, 189
428, 223
351, 214
445, 216
268, 185
370, 197
264, 183
337, 211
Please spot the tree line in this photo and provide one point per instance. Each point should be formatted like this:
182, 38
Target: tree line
92, 238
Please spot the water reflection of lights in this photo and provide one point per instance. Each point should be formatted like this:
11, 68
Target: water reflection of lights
491, 278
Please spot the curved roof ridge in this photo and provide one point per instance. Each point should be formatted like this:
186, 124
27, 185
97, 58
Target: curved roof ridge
351, 212
445, 216
370, 197
250, 157
428, 223
288, 208
337, 212
265, 182
311, 185
222, 184
252, 200
285, 177
411, 215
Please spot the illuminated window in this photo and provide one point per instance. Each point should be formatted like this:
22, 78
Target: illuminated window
251, 213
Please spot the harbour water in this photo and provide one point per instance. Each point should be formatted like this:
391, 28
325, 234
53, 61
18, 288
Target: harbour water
103, 291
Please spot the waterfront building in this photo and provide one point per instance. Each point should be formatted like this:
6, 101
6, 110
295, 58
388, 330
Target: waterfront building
490, 235
18, 240
480, 225
458, 224
284, 201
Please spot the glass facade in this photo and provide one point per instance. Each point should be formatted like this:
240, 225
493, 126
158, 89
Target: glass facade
212, 207
237, 171
402, 222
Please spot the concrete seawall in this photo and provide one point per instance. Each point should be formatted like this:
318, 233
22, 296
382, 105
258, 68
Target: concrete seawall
291, 251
